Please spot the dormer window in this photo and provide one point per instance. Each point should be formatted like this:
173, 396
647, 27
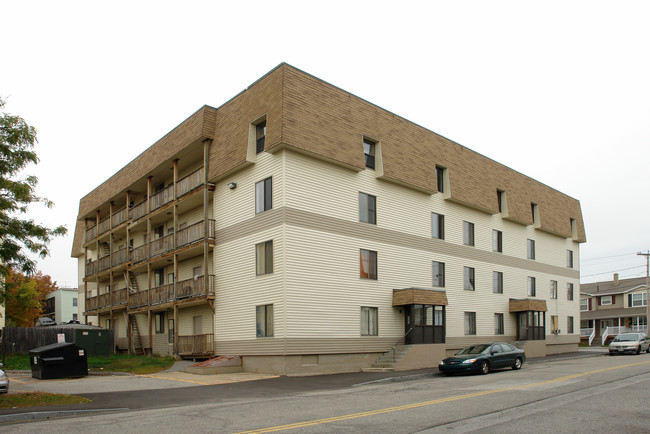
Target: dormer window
260, 135
369, 153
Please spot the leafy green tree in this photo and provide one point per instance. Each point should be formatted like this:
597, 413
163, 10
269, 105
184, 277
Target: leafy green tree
19, 237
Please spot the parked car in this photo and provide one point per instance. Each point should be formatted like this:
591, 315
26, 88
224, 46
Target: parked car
484, 358
4, 381
629, 343
45, 322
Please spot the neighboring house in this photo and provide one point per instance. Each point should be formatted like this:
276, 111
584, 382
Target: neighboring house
612, 307
62, 305
307, 230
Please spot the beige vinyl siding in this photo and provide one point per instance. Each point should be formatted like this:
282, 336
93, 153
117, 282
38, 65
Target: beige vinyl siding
190, 217
186, 268
186, 320
234, 206
239, 289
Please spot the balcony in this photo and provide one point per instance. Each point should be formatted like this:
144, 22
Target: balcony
187, 236
182, 290
196, 344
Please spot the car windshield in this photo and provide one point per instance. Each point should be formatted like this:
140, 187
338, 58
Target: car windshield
474, 349
627, 337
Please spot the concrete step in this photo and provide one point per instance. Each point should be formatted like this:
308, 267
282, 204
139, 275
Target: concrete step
373, 369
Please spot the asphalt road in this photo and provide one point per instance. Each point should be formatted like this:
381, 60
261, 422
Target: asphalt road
578, 395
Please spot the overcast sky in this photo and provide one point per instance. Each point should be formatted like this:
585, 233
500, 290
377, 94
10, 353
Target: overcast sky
557, 90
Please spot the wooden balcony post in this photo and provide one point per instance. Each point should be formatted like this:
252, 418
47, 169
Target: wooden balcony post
150, 332
175, 329
206, 213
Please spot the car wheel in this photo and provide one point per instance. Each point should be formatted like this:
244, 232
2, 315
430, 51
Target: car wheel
638, 350
518, 364
485, 367
648, 349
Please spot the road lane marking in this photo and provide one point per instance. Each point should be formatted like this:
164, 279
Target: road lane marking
433, 402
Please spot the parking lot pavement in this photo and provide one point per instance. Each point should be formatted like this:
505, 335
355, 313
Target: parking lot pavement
23, 382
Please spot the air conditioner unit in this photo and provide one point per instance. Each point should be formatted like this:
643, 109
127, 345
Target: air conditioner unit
556, 331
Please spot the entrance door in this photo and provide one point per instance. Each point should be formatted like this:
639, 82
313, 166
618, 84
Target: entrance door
198, 325
424, 324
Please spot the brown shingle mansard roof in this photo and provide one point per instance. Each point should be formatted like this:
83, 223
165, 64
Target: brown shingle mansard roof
311, 116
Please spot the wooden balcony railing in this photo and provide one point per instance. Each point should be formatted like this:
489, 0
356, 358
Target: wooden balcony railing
189, 182
196, 344
104, 263
161, 198
104, 226
162, 245
91, 268
119, 217
139, 254
91, 233
103, 300
119, 297
194, 233
139, 299
195, 287
139, 210
91, 303
119, 257
181, 290
162, 294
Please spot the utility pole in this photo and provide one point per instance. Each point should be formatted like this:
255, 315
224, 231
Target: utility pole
647, 288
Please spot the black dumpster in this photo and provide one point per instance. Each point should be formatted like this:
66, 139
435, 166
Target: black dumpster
61, 360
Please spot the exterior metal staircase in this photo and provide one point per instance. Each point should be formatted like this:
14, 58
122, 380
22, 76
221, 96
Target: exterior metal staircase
389, 360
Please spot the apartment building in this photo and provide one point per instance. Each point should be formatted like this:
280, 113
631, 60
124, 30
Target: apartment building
610, 307
62, 305
307, 230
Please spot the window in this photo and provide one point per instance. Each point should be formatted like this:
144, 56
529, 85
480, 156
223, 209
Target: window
584, 304
470, 323
468, 274
440, 178
170, 330
159, 321
534, 210
438, 226
264, 320
368, 321
75, 316
531, 286
263, 196
468, 233
74, 302
260, 136
530, 249
369, 153
439, 274
497, 282
497, 241
569, 258
553, 289
264, 258
637, 300
368, 264
569, 324
554, 324
605, 300
574, 228
501, 200
367, 208
569, 291
498, 323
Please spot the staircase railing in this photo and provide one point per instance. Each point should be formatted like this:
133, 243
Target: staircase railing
403, 338
592, 336
605, 336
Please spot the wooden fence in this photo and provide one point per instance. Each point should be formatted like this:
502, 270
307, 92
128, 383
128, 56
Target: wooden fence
19, 340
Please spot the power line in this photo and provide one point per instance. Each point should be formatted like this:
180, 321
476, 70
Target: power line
613, 271
607, 257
